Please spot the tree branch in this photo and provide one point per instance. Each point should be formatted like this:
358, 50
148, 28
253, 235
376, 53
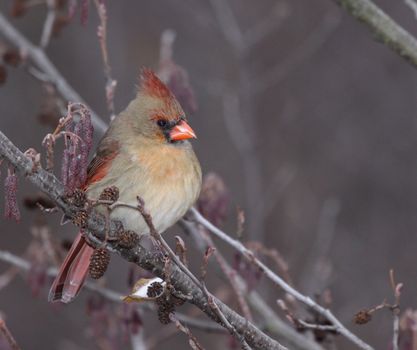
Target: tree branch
48, 70
248, 254
412, 5
97, 229
24, 265
386, 29
8, 335
272, 323
49, 24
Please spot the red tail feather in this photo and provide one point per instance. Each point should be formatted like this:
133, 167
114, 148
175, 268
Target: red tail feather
73, 272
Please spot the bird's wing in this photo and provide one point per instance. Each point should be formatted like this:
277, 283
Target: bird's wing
99, 165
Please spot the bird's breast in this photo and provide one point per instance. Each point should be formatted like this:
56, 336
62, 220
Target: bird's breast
168, 183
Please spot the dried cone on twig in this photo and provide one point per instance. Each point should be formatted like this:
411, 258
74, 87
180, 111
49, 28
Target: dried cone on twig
78, 198
110, 194
80, 219
128, 239
151, 123
165, 307
98, 263
362, 317
155, 289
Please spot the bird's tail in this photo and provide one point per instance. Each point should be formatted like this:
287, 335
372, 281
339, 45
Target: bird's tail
73, 271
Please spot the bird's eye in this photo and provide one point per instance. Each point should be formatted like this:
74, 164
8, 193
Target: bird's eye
162, 123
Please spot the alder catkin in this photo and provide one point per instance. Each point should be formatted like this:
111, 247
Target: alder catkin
362, 317
165, 307
110, 194
128, 239
99, 262
155, 290
80, 219
78, 198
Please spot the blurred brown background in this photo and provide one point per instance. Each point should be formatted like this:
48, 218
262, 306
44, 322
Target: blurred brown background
321, 153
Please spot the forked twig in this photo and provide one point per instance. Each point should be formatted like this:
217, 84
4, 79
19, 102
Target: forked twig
8, 335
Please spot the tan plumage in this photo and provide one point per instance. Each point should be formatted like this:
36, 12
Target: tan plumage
166, 175
144, 153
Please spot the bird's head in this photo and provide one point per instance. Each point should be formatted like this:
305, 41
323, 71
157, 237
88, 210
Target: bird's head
156, 114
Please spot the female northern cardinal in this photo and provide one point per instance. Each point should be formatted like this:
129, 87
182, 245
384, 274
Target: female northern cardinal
145, 153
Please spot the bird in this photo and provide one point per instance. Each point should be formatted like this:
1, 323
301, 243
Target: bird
145, 152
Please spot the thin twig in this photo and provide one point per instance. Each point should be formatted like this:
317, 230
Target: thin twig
155, 234
412, 5
8, 335
95, 230
384, 27
210, 299
238, 106
279, 281
317, 264
271, 321
138, 341
321, 327
192, 340
24, 265
396, 288
8, 276
232, 277
49, 24
102, 37
39, 58
228, 24
224, 320
299, 323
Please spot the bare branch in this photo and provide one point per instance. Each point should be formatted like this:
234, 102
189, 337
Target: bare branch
396, 330
232, 277
299, 323
97, 229
45, 66
396, 288
138, 342
233, 121
317, 261
228, 24
195, 345
7, 277
203, 325
8, 335
384, 27
279, 281
412, 5
49, 23
212, 303
271, 322
225, 321
24, 265
102, 37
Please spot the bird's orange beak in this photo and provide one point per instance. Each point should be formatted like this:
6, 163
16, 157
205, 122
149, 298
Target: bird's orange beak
182, 131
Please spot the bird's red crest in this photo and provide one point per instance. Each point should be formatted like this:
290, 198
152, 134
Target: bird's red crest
151, 85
